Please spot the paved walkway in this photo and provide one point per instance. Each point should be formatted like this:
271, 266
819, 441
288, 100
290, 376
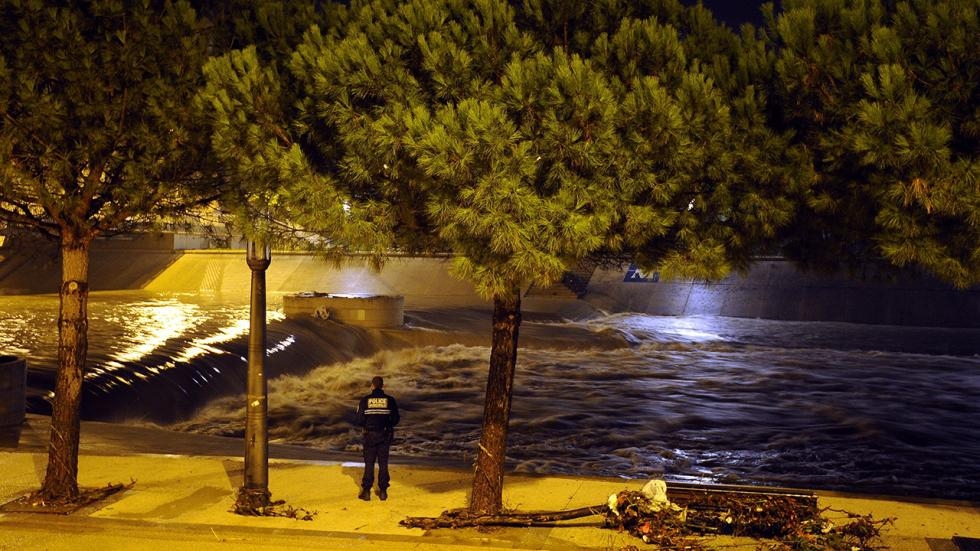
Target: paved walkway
181, 499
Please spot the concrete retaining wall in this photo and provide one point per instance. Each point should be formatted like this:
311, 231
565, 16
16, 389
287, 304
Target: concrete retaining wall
424, 282
34, 267
775, 289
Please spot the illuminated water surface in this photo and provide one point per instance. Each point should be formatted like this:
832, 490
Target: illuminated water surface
826, 405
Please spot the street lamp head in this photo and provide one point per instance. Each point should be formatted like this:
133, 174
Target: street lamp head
258, 254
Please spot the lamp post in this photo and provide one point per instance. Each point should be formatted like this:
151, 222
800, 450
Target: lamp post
254, 493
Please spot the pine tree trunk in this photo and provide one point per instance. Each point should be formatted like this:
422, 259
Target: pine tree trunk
61, 478
488, 481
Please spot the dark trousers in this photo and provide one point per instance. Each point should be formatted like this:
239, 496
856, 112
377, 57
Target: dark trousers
375, 449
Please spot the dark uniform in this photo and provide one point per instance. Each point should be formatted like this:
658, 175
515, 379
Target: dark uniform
377, 414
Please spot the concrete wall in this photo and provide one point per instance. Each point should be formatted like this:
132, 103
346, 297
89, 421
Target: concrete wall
774, 289
424, 282
34, 267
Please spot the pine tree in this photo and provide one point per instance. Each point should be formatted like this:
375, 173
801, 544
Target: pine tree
95, 138
523, 185
884, 94
717, 183
481, 144
248, 105
522, 149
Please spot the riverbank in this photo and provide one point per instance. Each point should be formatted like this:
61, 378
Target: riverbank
182, 493
772, 288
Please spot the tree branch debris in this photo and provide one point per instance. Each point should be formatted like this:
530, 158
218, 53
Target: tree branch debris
790, 521
36, 502
276, 509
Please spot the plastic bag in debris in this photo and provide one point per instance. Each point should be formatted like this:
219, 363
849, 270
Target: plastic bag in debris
656, 490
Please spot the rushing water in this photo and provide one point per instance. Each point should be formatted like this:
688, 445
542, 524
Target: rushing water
875, 409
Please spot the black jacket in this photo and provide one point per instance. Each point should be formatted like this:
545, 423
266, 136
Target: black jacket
377, 411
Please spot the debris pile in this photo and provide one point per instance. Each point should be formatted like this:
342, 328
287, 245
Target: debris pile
256, 502
789, 520
35, 502
792, 520
274, 509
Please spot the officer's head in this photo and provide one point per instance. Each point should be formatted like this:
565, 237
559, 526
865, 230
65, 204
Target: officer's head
377, 382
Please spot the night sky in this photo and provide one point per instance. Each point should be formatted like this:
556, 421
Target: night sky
733, 12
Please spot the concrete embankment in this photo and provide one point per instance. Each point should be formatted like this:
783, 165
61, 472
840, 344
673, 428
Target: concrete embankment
772, 289
776, 289
154, 264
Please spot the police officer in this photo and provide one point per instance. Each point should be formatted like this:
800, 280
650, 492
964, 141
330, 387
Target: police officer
377, 414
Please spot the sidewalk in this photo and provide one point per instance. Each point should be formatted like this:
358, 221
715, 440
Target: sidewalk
182, 502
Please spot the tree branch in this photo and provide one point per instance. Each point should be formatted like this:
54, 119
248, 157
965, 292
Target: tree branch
459, 518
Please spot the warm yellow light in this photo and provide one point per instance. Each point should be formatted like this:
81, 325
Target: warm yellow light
258, 254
